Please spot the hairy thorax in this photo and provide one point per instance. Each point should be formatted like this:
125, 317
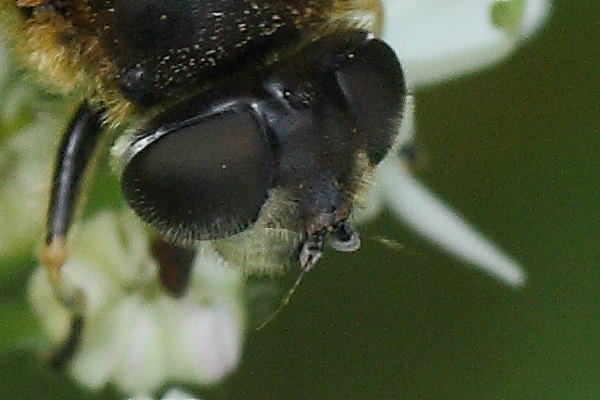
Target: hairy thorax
139, 54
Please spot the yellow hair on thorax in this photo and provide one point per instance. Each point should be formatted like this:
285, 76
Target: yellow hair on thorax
66, 63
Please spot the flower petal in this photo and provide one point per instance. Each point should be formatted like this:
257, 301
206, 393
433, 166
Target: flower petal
100, 349
117, 245
54, 317
177, 394
143, 364
204, 340
438, 40
427, 215
205, 334
536, 12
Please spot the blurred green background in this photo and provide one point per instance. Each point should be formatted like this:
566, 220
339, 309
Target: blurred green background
515, 150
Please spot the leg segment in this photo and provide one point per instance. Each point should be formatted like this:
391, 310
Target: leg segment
76, 151
65, 352
74, 157
175, 264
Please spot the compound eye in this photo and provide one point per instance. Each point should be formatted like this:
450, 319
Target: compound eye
373, 85
203, 179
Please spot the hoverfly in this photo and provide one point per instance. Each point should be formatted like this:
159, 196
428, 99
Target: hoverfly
240, 121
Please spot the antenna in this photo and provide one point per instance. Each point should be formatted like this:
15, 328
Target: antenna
310, 254
285, 300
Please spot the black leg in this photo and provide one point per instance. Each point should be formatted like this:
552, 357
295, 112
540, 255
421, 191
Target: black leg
175, 264
65, 352
74, 157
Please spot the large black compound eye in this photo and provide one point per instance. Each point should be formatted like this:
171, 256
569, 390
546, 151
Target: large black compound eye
372, 82
204, 179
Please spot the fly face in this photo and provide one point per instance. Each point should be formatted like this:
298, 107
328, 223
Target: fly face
303, 132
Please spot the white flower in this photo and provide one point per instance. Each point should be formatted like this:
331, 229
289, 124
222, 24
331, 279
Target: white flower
135, 335
425, 213
438, 40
